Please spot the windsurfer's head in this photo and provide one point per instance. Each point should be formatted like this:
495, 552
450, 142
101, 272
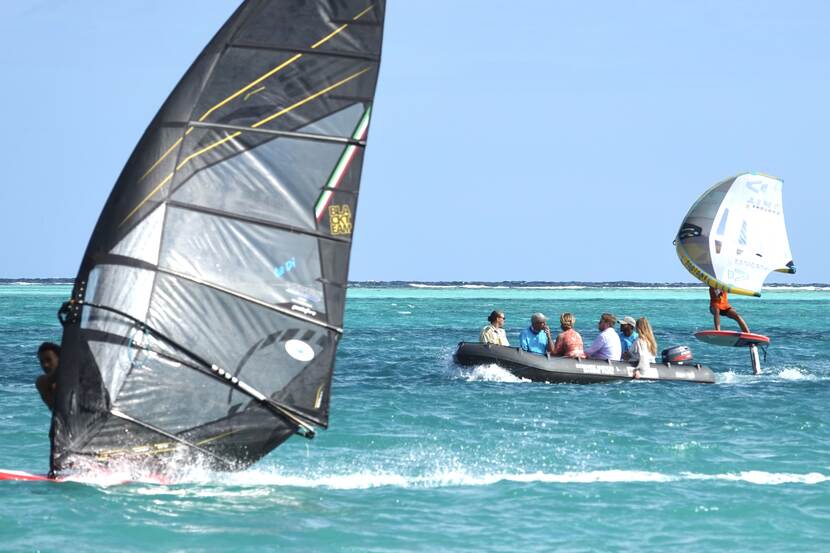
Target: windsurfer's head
537, 322
49, 355
567, 321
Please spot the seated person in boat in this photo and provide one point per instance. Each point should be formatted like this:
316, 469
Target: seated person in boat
627, 334
569, 342
719, 305
49, 355
644, 349
494, 333
536, 338
607, 344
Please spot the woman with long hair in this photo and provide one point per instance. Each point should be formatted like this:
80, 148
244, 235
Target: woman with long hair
644, 349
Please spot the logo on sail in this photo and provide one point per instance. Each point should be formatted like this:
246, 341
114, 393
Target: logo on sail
340, 219
285, 268
299, 350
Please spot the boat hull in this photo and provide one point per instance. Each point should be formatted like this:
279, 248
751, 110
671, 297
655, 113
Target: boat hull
544, 368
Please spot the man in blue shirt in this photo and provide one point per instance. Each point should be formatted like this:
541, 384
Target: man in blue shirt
536, 338
627, 334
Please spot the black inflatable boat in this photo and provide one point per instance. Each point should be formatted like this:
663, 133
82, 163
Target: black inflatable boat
544, 368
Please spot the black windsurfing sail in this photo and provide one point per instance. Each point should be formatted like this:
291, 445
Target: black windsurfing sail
209, 302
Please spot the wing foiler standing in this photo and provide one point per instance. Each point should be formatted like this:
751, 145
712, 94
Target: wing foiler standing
732, 237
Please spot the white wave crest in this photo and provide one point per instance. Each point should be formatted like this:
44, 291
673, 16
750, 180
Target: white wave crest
794, 373
458, 478
787, 373
490, 373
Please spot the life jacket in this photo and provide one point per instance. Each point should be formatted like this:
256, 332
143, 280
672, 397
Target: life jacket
720, 301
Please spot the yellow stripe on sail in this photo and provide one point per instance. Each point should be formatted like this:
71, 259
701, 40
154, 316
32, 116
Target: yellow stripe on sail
147, 197
247, 87
237, 133
329, 88
165, 154
207, 149
253, 83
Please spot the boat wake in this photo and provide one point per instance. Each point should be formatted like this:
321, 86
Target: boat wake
488, 373
782, 374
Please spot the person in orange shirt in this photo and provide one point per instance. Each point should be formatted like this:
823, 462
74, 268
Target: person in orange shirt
719, 305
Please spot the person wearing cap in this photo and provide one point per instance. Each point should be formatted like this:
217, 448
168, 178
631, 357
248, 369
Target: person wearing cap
494, 333
607, 345
536, 338
627, 334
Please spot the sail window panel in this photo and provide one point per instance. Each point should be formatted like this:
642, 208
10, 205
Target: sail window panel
265, 263
143, 240
343, 26
171, 396
113, 361
273, 179
264, 348
126, 289
722, 225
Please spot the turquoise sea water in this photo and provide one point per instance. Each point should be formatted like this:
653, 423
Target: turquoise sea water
425, 456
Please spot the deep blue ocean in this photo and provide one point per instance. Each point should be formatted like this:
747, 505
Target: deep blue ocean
422, 455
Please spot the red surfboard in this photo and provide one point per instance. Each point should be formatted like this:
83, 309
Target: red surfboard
21, 475
731, 338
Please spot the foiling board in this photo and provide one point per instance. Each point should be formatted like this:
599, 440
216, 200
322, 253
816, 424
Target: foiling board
731, 338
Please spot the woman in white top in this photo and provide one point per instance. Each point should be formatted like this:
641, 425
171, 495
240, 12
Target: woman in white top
644, 349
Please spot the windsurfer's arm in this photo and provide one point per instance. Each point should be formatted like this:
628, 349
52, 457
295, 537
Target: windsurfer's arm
45, 385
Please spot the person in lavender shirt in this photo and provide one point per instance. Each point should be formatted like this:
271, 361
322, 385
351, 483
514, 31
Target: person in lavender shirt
607, 345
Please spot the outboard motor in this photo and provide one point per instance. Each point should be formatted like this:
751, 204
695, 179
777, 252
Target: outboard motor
677, 355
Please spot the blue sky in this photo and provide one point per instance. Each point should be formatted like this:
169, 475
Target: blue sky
520, 140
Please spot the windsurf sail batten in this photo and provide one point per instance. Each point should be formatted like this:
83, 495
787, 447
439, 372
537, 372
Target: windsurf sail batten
734, 234
213, 258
